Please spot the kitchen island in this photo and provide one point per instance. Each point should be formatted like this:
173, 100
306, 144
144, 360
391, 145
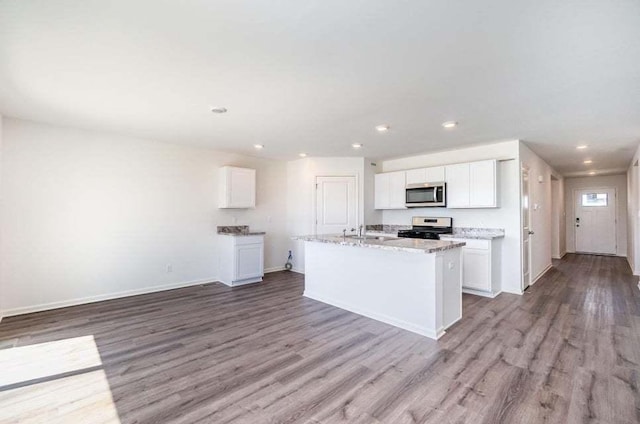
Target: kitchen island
409, 283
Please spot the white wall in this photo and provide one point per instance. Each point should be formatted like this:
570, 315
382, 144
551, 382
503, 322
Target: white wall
507, 216
619, 182
502, 150
1, 202
301, 177
558, 219
633, 214
94, 215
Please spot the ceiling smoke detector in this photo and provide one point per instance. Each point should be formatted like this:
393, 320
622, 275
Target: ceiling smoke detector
218, 109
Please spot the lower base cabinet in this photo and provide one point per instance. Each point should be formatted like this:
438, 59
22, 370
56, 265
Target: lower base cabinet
480, 266
241, 259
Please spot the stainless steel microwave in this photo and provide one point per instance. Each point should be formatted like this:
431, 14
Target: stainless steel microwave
425, 195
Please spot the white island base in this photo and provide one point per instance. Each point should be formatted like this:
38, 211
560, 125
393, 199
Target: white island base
419, 292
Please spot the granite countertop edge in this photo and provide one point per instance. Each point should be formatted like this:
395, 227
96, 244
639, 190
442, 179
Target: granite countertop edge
251, 233
473, 236
429, 246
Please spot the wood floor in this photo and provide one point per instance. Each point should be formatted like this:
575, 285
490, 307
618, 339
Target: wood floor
568, 351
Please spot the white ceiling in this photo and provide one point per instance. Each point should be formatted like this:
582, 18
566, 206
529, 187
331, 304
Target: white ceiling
315, 76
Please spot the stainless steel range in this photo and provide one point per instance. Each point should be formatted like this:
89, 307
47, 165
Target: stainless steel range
425, 227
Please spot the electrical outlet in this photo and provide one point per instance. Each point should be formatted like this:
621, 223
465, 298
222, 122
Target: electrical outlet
169, 268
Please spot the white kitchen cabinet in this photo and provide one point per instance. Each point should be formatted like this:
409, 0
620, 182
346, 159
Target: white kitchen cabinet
237, 188
390, 190
472, 185
483, 187
458, 185
425, 175
241, 259
480, 266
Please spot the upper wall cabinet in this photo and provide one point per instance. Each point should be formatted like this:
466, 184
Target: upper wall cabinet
472, 185
425, 175
390, 190
237, 188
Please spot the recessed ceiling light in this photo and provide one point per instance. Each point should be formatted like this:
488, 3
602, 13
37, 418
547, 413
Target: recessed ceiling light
357, 145
587, 162
303, 155
258, 146
449, 124
592, 173
218, 109
382, 128
581, 147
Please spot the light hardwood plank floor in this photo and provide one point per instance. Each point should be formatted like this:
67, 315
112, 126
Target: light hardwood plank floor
568, 351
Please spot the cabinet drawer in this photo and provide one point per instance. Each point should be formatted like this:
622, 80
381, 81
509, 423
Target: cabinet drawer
242, 240
472, 243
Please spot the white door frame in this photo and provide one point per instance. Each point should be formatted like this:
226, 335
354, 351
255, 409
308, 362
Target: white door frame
314, 201
615, 213
524, 167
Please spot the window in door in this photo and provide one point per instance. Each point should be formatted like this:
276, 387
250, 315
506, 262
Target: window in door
595, 199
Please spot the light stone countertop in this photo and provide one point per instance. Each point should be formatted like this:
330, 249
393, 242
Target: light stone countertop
238, 231
475, 233
250, 233
395, 244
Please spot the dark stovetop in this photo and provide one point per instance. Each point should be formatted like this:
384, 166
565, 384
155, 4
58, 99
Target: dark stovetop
424, 233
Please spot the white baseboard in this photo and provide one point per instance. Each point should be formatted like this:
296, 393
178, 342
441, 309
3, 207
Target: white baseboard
519, 293
544, 271
480, 293
423, 331
98, 298
274, 269
298, 270
562, 255
639, 286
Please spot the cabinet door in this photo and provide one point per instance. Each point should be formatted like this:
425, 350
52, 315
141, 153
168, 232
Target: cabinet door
242, 190
435, 174
381, 195
476, 269
249, 261
416, 176
397, 190
457, 185
483, 184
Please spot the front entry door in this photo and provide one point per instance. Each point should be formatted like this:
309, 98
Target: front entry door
595, 221
336, 204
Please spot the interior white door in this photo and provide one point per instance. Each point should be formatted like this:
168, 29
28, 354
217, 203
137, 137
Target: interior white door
526, 230
336, 204
595, 221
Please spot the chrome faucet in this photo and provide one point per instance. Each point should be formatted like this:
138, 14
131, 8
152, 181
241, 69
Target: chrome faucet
360, 230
